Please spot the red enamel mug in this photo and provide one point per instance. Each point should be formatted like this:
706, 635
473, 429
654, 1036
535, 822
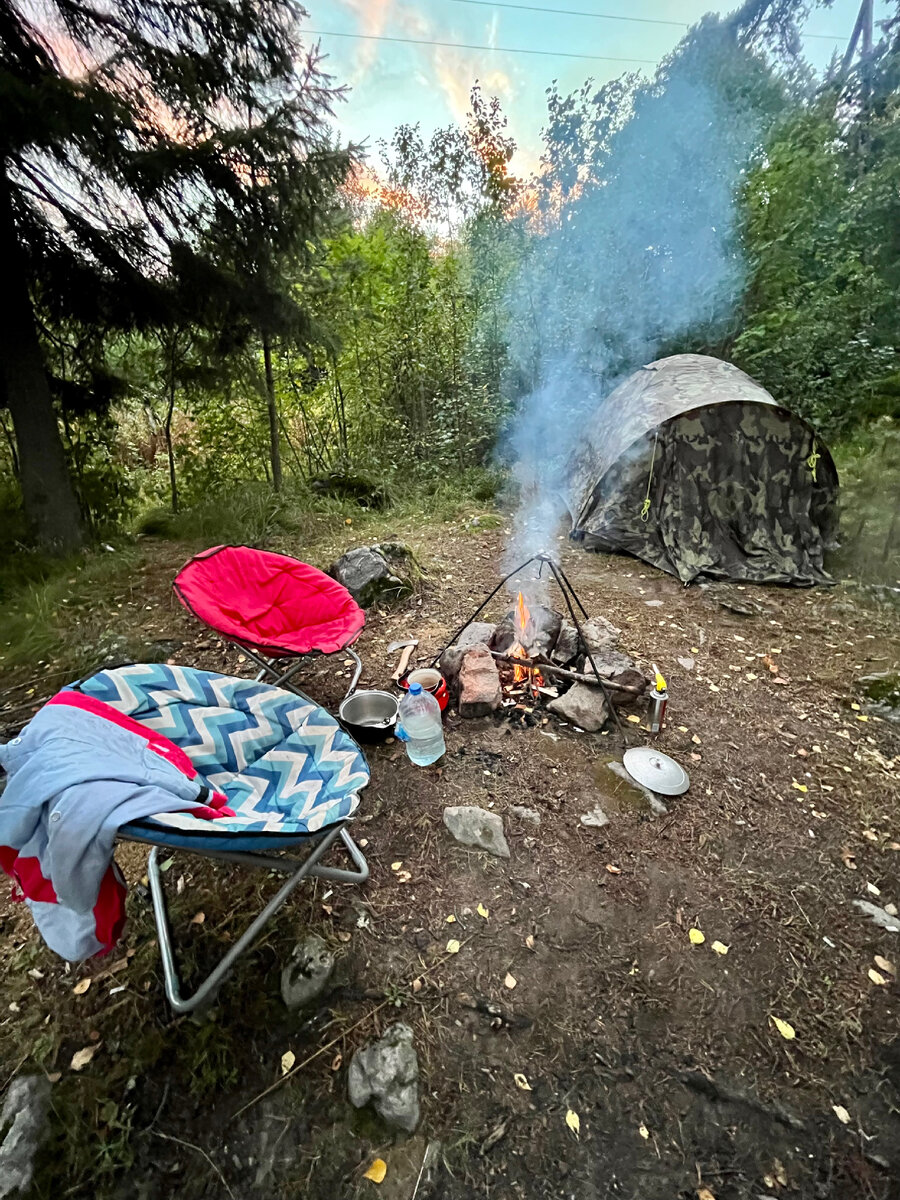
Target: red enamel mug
431, 681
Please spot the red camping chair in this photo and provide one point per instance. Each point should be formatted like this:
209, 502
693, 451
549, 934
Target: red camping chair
271, 605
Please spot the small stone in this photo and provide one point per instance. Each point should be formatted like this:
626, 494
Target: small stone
479, 683
387, 1073
451, 658
306, 976
880, 916
583, 705
596, 817
24, 1118
474, 826
529, 815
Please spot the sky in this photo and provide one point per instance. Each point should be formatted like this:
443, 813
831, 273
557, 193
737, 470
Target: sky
391, 82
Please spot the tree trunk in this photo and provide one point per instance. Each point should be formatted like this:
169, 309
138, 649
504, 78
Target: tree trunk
167, 424
47, 494
274, 445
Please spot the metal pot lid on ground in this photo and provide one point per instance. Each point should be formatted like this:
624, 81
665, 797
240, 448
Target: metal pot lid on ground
656, 771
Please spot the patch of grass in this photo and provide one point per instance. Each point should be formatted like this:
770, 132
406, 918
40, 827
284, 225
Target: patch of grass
66, 616
869, 469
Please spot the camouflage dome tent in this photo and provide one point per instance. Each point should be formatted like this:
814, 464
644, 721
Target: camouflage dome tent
693, 467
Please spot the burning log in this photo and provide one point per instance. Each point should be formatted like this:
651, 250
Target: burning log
562, 673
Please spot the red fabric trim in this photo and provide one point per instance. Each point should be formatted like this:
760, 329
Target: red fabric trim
109, 911
28, 875
156, 741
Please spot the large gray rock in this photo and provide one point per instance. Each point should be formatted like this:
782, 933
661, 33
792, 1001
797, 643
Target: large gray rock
376, 574
600, 634
583, 705
306, 976
387, 1073
608, 661
476, 633
543, 631
23, 1125
567, 644
474, 826
479, 683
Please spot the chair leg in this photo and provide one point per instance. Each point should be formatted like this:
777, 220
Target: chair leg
208, 988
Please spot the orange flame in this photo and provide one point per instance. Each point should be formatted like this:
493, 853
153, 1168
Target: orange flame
517, 650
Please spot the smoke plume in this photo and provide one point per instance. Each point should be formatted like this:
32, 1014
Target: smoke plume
640, 259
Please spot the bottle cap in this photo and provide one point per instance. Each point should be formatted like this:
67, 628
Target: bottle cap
415, 689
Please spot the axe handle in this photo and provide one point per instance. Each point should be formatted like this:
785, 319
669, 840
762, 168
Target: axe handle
403, 661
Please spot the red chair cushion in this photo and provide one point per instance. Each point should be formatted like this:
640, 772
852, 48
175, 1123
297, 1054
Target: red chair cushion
269, 602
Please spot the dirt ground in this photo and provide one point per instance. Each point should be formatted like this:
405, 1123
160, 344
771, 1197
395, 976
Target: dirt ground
667, 1051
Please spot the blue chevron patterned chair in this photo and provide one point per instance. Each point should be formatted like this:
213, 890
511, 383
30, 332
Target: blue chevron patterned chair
291, 774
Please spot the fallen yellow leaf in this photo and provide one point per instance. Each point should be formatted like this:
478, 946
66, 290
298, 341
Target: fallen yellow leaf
885, 964
81, 1058
695, 739
453, 946
720, 947
81, 986
451, 919
634, 718
695, 649
483, 912
644, 1131
395, 866
841, 1113
573, 1121
377, 1171
510, 981
705, 1194
855, 707
529, 941
876, 977
788, 1032
521, 1082
697, 937
287, 1061
682, 729
198, 918
801, 787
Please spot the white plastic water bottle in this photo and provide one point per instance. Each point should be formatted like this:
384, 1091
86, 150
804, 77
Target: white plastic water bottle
420, 726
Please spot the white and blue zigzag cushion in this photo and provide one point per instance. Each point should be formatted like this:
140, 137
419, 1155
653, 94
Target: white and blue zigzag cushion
285, 764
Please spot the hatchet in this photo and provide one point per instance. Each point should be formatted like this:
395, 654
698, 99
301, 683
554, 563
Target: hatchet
407, 645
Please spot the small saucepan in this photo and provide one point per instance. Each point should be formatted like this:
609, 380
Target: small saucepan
431, 681
369, 716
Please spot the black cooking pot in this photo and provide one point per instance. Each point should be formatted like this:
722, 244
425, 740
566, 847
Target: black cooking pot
369, 716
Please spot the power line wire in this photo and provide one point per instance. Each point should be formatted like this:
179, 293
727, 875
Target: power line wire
579, 12
380, 37
571, 12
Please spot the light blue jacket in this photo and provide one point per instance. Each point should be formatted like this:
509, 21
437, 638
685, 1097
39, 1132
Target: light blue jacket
73, 779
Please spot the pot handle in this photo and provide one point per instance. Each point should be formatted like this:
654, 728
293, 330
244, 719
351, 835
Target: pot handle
356, 674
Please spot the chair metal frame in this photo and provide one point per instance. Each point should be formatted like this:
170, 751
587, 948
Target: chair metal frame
271, 669
309, 867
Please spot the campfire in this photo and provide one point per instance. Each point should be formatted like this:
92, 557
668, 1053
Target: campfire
566, 663
520, 649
